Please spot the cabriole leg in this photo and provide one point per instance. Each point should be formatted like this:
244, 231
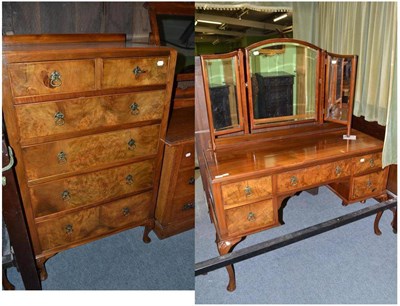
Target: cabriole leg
224, 247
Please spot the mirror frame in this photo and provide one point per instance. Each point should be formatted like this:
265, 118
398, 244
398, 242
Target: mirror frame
351, 92
318, 81
240, 94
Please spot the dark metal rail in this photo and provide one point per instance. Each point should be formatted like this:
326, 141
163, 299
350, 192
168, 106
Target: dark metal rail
279, 242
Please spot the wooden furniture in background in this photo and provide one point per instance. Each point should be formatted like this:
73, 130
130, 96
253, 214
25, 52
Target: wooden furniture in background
251, 170
175, 205
87, 122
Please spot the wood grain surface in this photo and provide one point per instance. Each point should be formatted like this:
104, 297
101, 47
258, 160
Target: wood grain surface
90, 188
88, 151
38, 119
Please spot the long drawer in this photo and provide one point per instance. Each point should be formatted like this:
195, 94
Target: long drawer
52, 77
92, 222
126, 72
298, 179
90, 188
73, 115
75, 154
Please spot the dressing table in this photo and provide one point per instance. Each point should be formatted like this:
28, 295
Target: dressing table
256, 161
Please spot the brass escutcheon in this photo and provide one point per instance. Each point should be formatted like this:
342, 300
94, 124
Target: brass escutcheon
69, 229
126, 211
129, 179
59, 118
134, 108
247, 191
188, 206
338, 170
66, 195
293, 181
137, 71
251, 217
372, 163
62, 157
131, 144
55, 79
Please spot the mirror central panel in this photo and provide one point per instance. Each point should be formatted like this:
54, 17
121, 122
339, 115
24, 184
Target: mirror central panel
283, 79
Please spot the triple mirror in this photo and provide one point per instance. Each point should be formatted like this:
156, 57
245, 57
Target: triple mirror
277, 83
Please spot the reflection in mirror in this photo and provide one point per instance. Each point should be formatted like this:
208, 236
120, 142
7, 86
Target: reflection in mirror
283, 79
222, 89
338, 91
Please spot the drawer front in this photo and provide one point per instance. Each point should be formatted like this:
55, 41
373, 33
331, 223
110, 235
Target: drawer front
93, 222
247, 190
127, 72
373, 183
84, 152
367, 163
187, 158
250, 217
298, 179
66, 116
182, 208
90, 188
32, 79
185, 183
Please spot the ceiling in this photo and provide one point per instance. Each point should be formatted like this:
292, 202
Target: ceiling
239, 20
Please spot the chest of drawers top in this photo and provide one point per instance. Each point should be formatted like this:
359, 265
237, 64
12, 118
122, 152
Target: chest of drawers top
285, 154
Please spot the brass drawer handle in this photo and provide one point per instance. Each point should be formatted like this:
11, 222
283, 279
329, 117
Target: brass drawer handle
294, 180
191, 181
66, 195
129, 179
248, 191
251, 217
69, 229
55, 79
188, 206
134, 108
126, 211
369, 184
338, 170
59, 118
62, 157
372, 163
137, 71
131, 144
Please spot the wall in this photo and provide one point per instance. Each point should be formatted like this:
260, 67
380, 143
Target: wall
76, 17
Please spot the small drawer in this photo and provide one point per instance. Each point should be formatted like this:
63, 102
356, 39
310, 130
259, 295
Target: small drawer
185, 183
248, 190
126, 211
317, 175
128, 72
187, 159
369, 184
74, 115
92, 222
91, 188
367, 162
251, 217
75, 154
183, 208
41, 78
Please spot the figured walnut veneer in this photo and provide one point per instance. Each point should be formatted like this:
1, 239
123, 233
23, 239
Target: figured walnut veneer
86, 119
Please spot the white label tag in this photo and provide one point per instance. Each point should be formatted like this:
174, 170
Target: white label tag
349, 137
160, 63
188, 154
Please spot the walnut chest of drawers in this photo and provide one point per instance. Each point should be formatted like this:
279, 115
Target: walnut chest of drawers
175, 205
86, 116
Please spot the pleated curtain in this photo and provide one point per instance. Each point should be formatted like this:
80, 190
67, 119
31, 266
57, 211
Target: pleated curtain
369, 30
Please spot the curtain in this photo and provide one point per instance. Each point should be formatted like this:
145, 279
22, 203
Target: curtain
368, 29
